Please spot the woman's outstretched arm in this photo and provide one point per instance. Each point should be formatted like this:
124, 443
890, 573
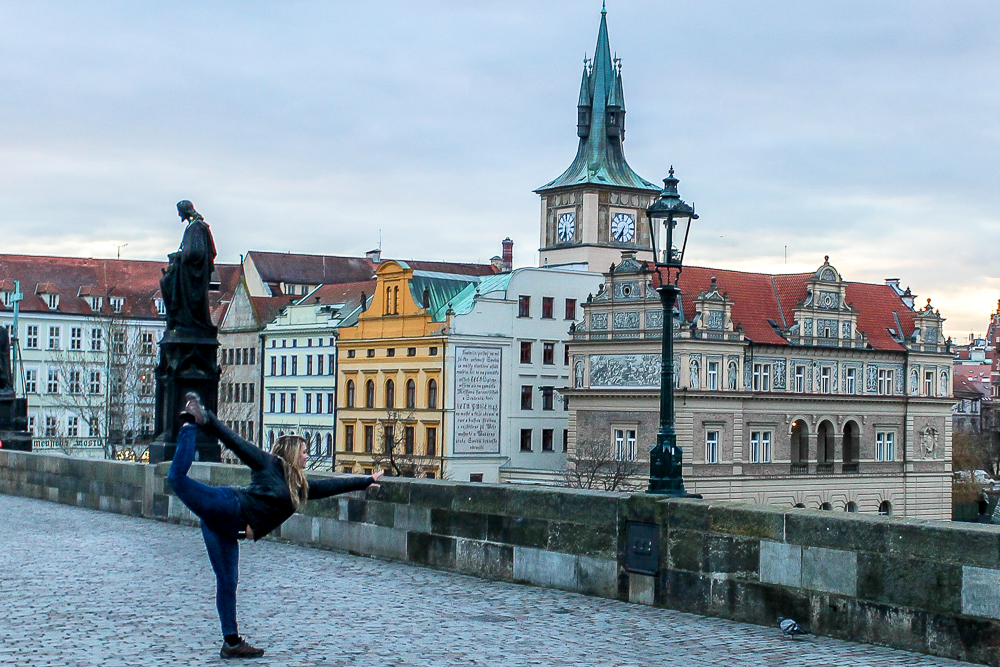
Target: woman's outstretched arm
331, 486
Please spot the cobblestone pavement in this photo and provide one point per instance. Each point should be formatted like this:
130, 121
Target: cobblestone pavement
79, 587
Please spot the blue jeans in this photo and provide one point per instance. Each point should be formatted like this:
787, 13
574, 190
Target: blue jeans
218, 507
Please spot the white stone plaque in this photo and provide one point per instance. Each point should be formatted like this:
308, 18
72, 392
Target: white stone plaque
477, 400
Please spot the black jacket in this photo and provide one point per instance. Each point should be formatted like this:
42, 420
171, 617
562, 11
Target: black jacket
267, 502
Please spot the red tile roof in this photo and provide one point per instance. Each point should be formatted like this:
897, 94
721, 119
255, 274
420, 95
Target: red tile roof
74, 278
759, 297
275, 267
346, 293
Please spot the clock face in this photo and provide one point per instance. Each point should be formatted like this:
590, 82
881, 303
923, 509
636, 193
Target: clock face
623, 227
566, 227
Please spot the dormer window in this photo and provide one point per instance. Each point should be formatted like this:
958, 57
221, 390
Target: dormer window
117, 303
52, 300
5, 297
96, 302
161, 308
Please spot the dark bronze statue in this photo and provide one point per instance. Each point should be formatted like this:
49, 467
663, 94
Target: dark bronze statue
185, 282
6, 376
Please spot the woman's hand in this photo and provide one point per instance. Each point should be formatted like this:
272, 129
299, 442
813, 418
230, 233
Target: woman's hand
375, 478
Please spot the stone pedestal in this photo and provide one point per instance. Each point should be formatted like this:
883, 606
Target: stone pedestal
14, 424
188, 362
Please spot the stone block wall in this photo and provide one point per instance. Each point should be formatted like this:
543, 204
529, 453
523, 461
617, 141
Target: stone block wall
928, 586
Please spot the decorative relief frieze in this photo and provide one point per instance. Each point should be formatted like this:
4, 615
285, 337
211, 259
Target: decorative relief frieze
822, 325
598, 321
624, 370
654, 319
715, 321
626, 319
626, 290
931, 335
846, 330
829, 300
807, 327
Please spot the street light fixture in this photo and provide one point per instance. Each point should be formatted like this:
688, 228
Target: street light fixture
669, 210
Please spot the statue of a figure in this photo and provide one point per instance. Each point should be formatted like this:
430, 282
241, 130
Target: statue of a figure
6, 376
184, 284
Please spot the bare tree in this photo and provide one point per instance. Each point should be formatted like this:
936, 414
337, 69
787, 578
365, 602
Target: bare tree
238, 408
598, 466
106, 385
395, 451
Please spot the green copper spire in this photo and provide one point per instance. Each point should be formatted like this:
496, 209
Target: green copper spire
600, 159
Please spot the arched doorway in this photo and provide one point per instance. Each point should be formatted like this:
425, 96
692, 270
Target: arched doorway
851, 506
851, 445
825, 445
885, 508
825, 506
799, 446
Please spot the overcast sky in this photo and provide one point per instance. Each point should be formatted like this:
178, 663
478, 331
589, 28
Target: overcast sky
867, 131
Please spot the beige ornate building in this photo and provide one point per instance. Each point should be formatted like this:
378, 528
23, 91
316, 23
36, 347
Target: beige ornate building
802, 390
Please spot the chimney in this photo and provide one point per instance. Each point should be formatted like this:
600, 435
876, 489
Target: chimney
374, 256
508, 254
497, 263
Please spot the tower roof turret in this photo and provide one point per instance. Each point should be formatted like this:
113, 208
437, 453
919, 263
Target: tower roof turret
600, 159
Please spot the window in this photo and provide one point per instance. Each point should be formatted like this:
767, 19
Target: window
284, 365
319, 364
370, 354
349, 438
117, 303
388, 438
281, 402
53, 382
411, 351
53, 301
525, 439
76, 338
824, 379
408, 439
31, 340
330, 366
524, 306
548, 353
330, 402
54, 338
95, 382
309, 364
411, 394
885, 381
390, 394
526, 393
295, 364
31, 381
75, 382
349, 395
885, 508
96, 340
72, 426
800, 379
885, 446
432, 351
525, 351
369, 438
928, 383
271, 402
432, 394
274, 366
391, 352
547, 434
147, 343
566, 355
547, 307
351, 353
760, 447
851, 381
548, 398
309, 403
369, 394
624, 444
565, 440
291, 401
431, 437
93, 428
570, 309
319, 403
475, 477
51, 427
118, 341
761, 377
31, 424
711, 447
712, 376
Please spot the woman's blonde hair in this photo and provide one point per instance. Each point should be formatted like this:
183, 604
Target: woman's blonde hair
287, 448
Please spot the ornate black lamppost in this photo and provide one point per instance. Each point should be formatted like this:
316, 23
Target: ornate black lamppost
665, 474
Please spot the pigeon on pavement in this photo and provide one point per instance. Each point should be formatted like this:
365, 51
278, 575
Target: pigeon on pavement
790, 628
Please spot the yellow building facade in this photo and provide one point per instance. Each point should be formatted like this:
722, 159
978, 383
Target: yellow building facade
391, 369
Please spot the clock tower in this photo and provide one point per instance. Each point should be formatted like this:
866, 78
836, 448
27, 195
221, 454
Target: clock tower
597, 207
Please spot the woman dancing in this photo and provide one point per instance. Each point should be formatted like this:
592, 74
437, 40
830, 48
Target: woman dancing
278, 488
